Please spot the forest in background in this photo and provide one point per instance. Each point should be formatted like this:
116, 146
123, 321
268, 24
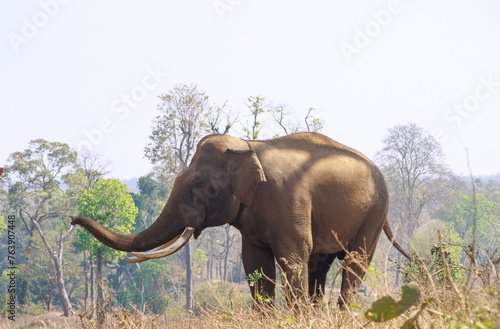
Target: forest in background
59, 265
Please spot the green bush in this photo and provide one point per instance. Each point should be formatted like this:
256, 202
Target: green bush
415, 271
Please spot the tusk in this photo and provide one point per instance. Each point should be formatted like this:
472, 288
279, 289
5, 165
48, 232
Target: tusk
134, 259
163, 246
142, 256
138, 259
164, 250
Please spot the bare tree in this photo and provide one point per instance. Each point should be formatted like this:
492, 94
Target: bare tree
413, 163
185, 112
93, 166
290, 124
217, 115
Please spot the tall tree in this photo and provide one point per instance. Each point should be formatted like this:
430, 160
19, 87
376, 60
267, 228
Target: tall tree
36, 195
109, 203
91, 167
413, 163
184, 113
177, 130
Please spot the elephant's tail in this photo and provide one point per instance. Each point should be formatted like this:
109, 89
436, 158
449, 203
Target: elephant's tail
390, 236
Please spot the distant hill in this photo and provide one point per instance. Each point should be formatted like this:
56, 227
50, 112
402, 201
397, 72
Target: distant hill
490, 177
132, 184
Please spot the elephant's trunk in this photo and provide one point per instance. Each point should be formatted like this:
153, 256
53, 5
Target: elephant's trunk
167, 227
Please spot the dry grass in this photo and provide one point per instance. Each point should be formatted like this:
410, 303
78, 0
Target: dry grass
447, 310
442, 304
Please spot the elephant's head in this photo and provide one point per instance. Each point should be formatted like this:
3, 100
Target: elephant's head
223, 175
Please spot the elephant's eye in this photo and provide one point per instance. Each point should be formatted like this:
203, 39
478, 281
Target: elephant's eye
198, 183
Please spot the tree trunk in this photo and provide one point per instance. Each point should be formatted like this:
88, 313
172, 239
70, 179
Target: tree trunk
92, 284
240, 275
227, 247
189, 278
224, 278
100, 299
219, 269
86, 274
66, 305
58, 266
208, 268
398, 270
211, 267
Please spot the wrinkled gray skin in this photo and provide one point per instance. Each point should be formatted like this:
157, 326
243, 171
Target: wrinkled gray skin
301, 200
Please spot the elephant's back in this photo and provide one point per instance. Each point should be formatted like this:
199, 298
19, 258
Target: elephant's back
314, 143
309, 155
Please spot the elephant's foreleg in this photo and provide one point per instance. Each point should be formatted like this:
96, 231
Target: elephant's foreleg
262, 260
292, 252
294, 274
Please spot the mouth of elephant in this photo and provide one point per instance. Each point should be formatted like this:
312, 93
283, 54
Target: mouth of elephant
201, 224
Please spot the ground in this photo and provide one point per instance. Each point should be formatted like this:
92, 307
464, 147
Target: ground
48, 320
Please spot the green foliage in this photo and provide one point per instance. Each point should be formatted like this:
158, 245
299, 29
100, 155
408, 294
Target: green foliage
150, 201
110, 204
371, 278
387, 308
256, 106
455, 268
200, 260
35, 179
461, 215
490, 189
76, 183
425, 241
32, 308
425, 238
253, 278
3, 226
35, 194
152, 282
415, 271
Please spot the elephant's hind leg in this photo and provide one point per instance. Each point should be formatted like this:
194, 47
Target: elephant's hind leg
319, 265
354, 270
359, 256
355, 265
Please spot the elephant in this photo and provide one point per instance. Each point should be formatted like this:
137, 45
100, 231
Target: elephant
301, 200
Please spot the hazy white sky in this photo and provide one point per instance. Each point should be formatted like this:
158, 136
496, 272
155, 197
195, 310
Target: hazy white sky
88, 72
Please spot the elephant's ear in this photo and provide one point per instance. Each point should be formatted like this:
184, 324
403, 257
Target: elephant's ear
246, 173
